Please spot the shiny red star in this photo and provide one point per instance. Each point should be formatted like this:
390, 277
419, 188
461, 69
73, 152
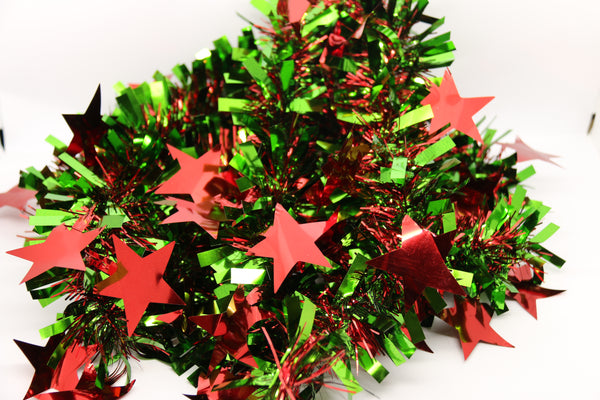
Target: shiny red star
232, 331
38, 357
449, 107
194, 175
139, 281
62, 249
472, 322
16, 197
418, 262
526, 153
66, 378
188, 211
88, 129
529, 294
289, 242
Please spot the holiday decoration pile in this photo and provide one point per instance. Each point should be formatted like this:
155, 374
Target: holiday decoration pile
279, 215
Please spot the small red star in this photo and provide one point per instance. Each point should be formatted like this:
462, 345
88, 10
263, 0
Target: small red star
232, 331
88, 129
188, 211
473, 325
526, 153
194, 175
139, 281
418, 262
529, 294
289, 242
449, 107
62, 249
16, 197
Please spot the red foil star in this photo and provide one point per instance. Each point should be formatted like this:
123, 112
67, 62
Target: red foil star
16, 197
289, 242
38, 357
449, 107
88, 129
62, 249
526, 153
65, 378
139, 281
194, 175
188, 211
418, 262
472, 322
232, 330
529, 294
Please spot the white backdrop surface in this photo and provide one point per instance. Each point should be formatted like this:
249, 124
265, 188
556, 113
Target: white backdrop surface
539, 58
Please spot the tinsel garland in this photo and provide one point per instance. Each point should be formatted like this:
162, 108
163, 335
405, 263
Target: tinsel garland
280, 214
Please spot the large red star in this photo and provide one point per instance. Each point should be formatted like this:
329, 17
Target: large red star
194, 175
289, 242
449, 107
38, 357
62, 249
418, 262
87, 130
473, 325
526, 153
139, 281
16, 197
528, 295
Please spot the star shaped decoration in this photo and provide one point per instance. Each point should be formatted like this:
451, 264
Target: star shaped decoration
231, 329
16, 197
449, 107
65, 377
188, 211
38, 357
529, 294
418, 263
526, 153
472, 322
88, 129
288, 243
139, 281
62, 249
194, 175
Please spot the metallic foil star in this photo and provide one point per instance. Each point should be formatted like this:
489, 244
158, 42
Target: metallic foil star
88, 129
289, 242
38, 357
418, 262
526, 153
449, 107
529, 294
16, 197
472, 322
62, 249
139, 281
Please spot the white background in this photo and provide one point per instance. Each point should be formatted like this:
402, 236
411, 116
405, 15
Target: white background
539, 58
